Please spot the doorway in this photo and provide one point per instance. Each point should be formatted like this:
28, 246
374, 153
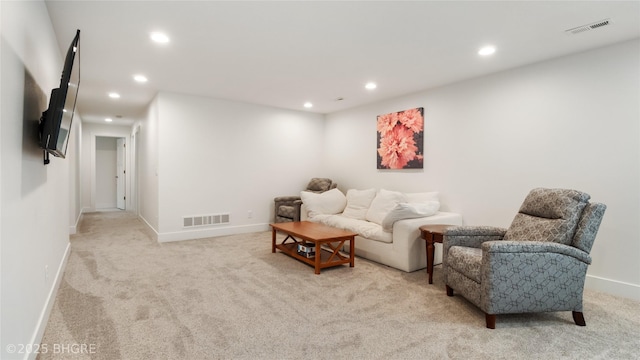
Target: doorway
110, 173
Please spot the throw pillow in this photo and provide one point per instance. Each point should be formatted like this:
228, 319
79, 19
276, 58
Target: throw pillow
409, 211
329, 202
384, 202
358, 202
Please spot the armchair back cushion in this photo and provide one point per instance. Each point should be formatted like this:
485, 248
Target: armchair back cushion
548, 215
319, 185
588, 226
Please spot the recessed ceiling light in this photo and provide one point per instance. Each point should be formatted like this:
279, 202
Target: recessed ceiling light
487, 50
108, 119
308, 105
371, 85
140, 78
114, 95
159, 37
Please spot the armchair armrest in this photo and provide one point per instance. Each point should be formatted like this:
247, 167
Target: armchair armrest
472, 236
287, 199
535, 247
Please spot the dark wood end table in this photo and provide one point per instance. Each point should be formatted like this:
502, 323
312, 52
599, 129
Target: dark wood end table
432, 234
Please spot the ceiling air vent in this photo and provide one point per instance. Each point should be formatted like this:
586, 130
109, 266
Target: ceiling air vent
592, 26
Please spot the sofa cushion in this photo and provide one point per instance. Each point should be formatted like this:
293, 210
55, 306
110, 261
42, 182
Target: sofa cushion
409, 211
382, 204
328, 202
358, 202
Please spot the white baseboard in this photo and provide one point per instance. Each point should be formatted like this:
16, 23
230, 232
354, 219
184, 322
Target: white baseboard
51, 298
74, 228
211, 232
613, 287
149, 227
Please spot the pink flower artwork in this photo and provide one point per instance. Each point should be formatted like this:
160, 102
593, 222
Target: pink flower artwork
400, 139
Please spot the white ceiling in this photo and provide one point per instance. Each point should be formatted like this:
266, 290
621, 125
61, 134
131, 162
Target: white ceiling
284, 53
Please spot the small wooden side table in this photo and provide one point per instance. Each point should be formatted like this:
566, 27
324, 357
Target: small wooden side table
432, 234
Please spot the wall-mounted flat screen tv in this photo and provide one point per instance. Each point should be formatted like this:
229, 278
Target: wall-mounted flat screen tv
56, 121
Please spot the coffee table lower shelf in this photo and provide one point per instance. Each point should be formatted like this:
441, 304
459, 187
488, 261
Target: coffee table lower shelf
325, 256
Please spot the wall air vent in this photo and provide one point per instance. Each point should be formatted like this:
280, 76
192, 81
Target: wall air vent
588, 27
205, 220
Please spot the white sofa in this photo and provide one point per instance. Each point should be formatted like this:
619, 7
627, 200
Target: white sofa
387, 222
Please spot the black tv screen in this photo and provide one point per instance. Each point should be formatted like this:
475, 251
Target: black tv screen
56, 121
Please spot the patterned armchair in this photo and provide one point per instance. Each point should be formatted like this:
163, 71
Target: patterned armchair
287, 208
538, 264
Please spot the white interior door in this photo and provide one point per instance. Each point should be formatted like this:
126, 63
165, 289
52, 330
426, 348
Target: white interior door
120, 173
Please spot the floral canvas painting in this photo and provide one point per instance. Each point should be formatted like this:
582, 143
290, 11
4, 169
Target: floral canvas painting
400, 139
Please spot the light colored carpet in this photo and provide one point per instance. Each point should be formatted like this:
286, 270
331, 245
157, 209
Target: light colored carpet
125, 296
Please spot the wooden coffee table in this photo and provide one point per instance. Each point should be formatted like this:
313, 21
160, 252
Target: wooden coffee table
328, 242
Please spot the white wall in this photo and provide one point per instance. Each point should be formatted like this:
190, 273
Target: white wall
35, 199
106, 172
135, 172
572, 122
217, 156
147, 167
74, 157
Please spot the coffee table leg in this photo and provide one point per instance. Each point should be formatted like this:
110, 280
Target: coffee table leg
318, 257
273, 240
352, 251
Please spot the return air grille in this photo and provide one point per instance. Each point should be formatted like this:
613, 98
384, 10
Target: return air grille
592, 26
205, 220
